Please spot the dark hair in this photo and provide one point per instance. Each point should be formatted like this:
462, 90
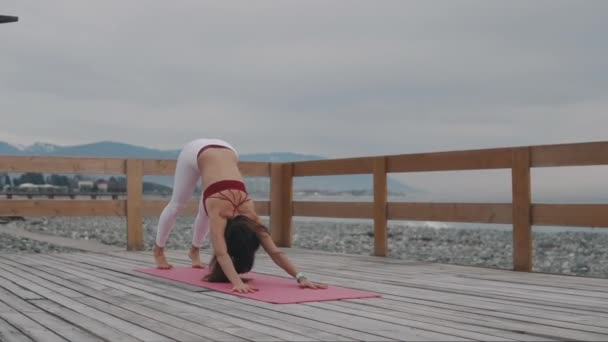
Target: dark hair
242, 241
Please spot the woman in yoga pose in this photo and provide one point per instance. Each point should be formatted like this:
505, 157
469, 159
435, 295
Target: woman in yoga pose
225, 211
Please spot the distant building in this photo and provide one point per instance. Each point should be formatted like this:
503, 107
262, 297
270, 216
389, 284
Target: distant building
102, 186
85, 185
42, 188
28, 187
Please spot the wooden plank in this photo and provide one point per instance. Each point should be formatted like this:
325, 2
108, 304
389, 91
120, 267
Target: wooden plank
108, 331
167, 167
178, 301
451, 317
341, 275
522, 218
450, 289
155, 207
122, 283
518, 321
572, 215
262, 208
62, 208
276, 206
492, 309
363, 324
355, 277
339, 267
54, 292
451, 212
189, 331
281, 192
348, 166
448, 318
579, 154
287, 316
294, 315
287, 200
23, 279
62, 164
62, 328
408, 269
9, 333
275, 320
424, 271
17, 290
412, 321
30, 327
160, 167
123, 268
254, 169
420, 284
501, 321
380, 207
135, 217
17, 303
384, 267
364, 210
132, 313
497, 158
468, 271
447, 292
216, 319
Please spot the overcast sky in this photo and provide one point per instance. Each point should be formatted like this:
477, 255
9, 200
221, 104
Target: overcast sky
334, 78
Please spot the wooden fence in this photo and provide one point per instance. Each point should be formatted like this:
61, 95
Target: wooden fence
521, 212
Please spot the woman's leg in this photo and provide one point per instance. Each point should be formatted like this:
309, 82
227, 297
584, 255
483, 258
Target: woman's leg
199, 232
184, 184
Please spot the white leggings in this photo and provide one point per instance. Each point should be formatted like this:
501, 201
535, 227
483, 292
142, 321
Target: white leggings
186, 177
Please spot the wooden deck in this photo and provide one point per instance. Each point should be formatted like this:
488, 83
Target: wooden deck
97, 297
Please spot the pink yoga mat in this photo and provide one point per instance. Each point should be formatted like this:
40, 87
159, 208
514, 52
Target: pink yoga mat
272, 289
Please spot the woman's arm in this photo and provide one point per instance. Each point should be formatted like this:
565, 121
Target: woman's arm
279, 258
277, 255
283, 261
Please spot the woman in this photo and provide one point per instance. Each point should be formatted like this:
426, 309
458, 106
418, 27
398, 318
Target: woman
224, 200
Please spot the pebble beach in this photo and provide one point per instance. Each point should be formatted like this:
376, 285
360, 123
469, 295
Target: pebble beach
564, 252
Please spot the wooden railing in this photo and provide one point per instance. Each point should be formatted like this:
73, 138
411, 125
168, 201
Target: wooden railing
135, 207
521, 212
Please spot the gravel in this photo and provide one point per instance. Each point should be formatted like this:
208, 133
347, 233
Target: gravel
579, 253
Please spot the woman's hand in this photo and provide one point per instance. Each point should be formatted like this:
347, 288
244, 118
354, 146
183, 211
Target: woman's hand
305, 284
244, 288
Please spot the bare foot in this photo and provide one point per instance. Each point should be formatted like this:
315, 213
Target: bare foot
159, 257
195, 257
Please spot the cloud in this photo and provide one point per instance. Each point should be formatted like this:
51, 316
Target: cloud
333, 78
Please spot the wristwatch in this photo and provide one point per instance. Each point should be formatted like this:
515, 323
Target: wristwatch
299, 276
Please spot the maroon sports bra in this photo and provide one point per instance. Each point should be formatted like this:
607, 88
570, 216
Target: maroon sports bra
218, 187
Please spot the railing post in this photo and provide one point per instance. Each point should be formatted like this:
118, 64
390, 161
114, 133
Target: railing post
522, 204
380, 207
135, 219
281, 188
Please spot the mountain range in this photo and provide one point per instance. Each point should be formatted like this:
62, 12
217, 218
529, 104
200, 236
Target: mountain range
110, 149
